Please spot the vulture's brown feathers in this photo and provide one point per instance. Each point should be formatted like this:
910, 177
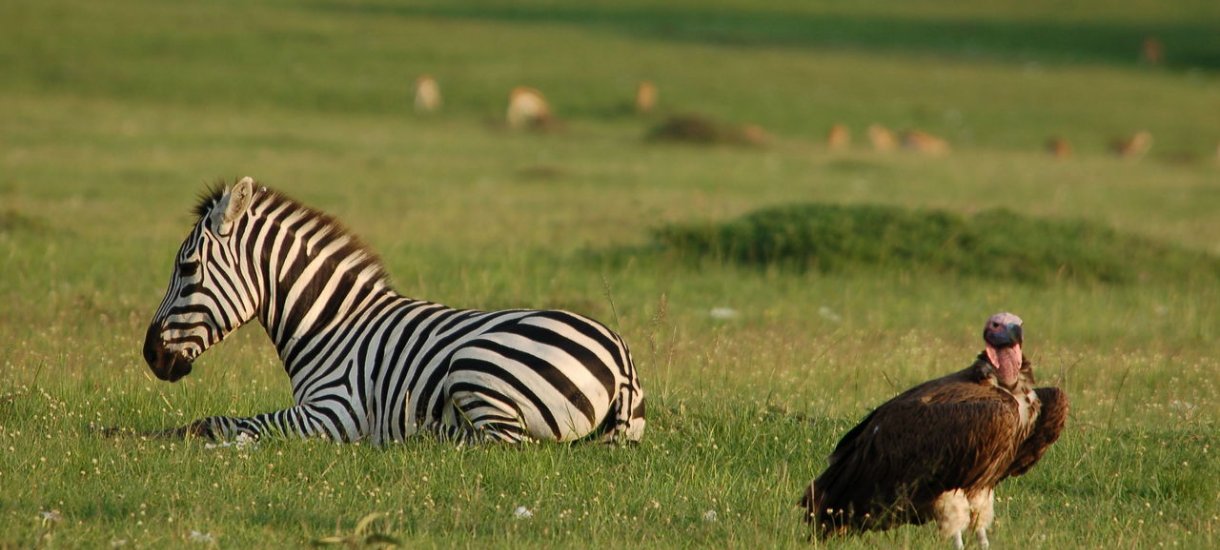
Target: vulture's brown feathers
937, 451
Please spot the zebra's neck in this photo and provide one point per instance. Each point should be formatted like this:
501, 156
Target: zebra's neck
315, 277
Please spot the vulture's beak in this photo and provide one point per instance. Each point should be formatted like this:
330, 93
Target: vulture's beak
1004, 336
1014, 333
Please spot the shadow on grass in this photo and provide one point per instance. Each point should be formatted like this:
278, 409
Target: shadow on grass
1188, 43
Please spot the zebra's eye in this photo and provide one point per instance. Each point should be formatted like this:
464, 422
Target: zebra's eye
187, 269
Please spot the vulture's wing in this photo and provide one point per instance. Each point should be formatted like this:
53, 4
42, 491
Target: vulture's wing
915, 447
1046, 430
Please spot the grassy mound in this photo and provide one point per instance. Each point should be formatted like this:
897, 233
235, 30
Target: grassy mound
994, 244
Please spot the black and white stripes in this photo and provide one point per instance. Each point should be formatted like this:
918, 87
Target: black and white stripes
366, 362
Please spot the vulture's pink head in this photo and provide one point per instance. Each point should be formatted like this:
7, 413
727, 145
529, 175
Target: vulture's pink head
1002, 334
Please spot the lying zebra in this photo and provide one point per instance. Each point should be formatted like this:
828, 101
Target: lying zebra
366, 362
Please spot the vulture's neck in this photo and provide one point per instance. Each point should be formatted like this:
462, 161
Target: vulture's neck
990, 372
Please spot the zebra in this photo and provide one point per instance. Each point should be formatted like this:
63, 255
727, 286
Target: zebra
367, 363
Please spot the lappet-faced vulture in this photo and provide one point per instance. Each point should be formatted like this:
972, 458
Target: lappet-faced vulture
937, 451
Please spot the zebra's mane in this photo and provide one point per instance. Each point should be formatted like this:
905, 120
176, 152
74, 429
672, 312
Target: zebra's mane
208, 198
212, 194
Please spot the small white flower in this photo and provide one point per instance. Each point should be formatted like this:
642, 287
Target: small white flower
723, 313
118, 542
522, 513
829, 315
709, 516
202, 538
50, 516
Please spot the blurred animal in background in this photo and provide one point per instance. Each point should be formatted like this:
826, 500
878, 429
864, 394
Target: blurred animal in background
839, 138
645, 97
1153, 51
528, 109
882, 138
1132, 147
938, 450
1059, 148
427, 94
924, 143
753, 134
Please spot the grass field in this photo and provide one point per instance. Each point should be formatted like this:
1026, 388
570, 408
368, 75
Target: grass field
115, 115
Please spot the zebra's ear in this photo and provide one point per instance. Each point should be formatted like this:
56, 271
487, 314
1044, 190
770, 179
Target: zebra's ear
234, 204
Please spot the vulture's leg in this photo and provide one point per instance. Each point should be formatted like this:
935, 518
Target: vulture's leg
952, 512
982, 513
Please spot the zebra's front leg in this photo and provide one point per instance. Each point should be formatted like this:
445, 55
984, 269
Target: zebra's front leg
300, 421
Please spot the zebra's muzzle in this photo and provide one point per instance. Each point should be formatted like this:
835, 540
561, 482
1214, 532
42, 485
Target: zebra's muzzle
165, 364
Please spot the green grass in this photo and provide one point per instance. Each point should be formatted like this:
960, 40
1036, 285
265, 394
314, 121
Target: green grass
114, 116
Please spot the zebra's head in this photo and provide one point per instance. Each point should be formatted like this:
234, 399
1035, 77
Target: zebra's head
208, 297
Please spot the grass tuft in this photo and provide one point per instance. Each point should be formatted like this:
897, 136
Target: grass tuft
995, 243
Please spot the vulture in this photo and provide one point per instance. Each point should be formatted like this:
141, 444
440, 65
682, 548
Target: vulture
937, 451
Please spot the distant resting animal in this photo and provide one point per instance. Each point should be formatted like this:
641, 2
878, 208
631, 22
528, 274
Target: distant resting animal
938, 450
368, 363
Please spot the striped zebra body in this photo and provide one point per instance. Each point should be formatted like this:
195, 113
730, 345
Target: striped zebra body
368, 363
